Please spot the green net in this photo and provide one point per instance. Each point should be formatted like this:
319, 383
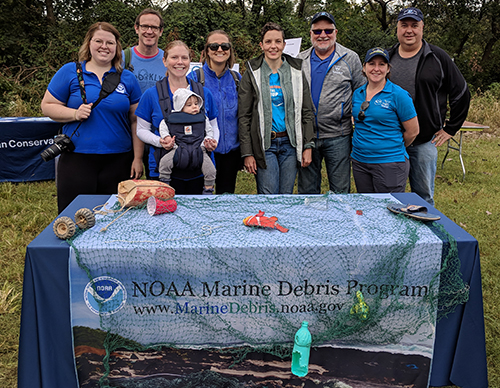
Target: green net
200, 279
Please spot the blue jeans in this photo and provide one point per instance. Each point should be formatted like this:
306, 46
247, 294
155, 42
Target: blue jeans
279, 176
336, 152
423, 164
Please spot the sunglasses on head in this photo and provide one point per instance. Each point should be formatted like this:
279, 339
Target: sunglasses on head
364, 106
328, 31
215, 46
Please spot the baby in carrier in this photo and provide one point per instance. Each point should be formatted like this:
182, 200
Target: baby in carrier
191, 131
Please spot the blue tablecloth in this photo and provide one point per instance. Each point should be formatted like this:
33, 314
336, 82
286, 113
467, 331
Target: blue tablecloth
46, 353
22, 139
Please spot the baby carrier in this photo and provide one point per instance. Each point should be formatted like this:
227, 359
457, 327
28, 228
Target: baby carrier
189, 132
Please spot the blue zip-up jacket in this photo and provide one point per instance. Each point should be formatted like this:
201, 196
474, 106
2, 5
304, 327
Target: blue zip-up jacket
225, 96
344, 76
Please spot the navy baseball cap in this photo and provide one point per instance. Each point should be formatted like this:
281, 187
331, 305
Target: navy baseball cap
323, 15
412, 13
377, 51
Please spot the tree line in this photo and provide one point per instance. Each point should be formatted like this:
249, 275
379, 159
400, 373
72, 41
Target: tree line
38, 36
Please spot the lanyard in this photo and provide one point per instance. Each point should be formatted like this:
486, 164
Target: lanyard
79, 73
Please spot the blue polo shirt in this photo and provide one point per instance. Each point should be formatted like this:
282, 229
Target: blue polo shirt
379, 137
107, 130
319, 68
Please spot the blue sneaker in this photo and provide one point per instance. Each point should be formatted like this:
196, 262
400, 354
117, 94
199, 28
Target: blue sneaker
207, 191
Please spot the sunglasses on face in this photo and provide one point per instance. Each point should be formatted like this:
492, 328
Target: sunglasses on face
215, 46
364, 106
328, 31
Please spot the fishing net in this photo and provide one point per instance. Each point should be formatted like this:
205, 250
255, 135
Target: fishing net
199, 278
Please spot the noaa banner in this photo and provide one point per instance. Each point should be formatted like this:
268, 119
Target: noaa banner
202, 283
22, 139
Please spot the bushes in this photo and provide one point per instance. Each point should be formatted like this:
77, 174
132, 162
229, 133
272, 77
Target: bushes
32, 48
22, 90
485, 108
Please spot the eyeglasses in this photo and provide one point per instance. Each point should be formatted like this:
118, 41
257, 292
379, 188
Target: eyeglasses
100, 42
364, 106
328, 31
215, 46
145, 27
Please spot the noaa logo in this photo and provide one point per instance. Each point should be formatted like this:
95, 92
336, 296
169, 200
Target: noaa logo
410, 12
383, 103
337, 69
121, 88
105, 295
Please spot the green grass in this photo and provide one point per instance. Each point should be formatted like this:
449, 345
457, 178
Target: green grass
25, 210
474, 204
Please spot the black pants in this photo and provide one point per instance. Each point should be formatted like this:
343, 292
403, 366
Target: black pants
380, 177
227, 166
187, 187
90, 174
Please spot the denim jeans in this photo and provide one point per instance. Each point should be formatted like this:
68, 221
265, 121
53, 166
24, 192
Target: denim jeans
336, 152
279, 176
423, 164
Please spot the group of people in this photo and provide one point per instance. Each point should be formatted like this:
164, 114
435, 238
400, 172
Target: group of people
278, 121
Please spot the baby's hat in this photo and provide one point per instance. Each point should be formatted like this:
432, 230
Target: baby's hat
181, 96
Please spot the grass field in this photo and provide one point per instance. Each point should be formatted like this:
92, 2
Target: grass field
474, 204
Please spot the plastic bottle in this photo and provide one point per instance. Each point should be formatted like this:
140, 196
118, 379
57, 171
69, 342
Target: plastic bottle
301, 351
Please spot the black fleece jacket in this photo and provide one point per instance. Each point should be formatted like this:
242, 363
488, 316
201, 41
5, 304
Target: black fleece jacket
437, 83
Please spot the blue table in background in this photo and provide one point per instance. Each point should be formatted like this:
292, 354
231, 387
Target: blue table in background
22, 139
46, 356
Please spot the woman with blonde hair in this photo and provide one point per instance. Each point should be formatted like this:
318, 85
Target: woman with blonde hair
150, 113
99, 146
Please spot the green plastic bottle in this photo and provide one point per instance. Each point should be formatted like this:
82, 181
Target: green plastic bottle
301, 351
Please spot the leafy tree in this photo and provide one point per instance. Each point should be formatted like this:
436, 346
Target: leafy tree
469, 31
193, 20
38, 36
381, 10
